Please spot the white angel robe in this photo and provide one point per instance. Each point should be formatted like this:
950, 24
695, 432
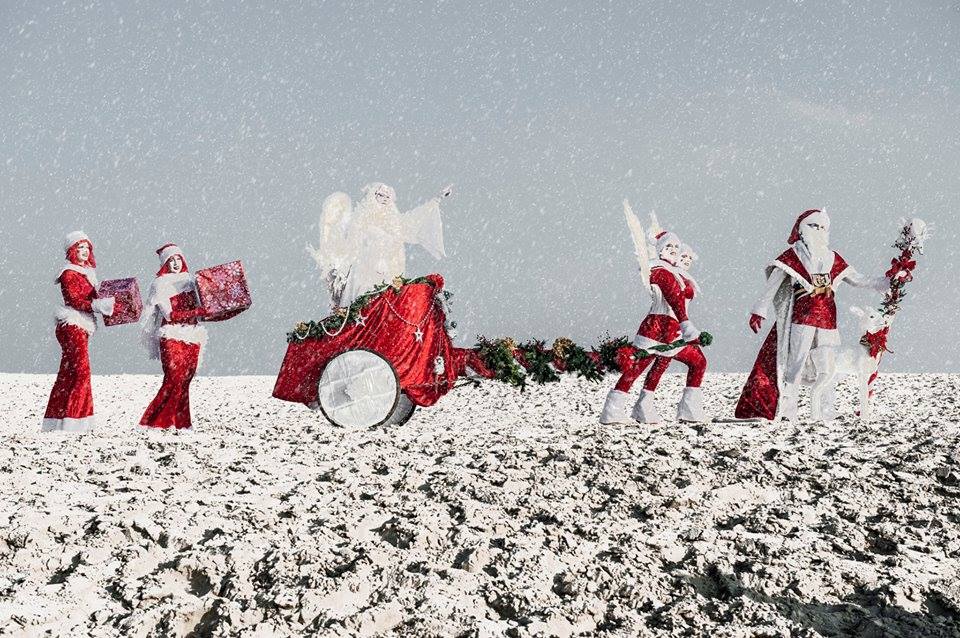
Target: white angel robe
381, 246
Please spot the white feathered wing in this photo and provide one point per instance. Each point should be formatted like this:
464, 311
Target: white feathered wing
336, 253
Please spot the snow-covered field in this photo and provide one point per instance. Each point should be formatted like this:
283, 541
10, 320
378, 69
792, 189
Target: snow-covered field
493, 513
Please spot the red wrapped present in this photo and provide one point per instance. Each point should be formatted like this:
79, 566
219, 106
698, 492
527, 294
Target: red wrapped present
223, 291
127, 303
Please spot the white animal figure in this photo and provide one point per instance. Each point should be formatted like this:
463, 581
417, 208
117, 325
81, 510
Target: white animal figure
853, 359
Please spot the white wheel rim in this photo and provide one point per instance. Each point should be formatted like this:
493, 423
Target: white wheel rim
358, 388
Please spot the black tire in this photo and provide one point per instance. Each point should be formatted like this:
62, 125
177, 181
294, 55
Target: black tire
402, 412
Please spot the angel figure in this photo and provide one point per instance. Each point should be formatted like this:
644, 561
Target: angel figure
364, 245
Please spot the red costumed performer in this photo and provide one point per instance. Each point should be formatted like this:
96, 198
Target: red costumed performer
171, 332
801, 344
690, 290
665, 322
70, 407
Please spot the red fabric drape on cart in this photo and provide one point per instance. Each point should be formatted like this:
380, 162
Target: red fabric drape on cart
390, 324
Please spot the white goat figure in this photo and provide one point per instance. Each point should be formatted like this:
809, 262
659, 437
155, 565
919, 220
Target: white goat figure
854, 359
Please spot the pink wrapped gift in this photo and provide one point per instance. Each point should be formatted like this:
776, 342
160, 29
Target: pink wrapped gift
223, 291
127, 303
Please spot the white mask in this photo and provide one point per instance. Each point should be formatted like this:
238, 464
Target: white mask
670, 252
816, 235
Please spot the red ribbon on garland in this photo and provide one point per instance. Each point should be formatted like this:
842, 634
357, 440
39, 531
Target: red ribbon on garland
903, 263
876, 341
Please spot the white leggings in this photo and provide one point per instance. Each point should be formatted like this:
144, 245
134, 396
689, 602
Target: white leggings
819, 345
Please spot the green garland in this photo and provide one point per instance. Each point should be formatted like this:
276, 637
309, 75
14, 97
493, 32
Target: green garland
497, 355
538, 360
608, 349
515, 363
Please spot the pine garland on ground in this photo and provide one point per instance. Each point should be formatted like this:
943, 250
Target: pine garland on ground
515, 363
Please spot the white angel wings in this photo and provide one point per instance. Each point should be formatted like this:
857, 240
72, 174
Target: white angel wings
639, 243
334, 255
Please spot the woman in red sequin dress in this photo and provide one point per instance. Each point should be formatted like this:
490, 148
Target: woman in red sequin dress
70, 407
171, 332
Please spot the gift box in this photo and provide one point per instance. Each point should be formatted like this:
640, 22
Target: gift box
127, 304
223, 291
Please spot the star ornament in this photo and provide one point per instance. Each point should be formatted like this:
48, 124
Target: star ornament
418, 335
360, 320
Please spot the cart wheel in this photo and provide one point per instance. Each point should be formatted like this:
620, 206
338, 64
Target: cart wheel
402, 413
358, 388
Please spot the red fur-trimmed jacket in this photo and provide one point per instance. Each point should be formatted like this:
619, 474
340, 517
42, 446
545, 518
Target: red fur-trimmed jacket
667, 319
78, 295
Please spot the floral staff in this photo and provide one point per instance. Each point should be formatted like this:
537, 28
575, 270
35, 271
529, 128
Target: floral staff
913, 234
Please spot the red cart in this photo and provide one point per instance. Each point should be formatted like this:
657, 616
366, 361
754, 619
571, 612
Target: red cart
376, 365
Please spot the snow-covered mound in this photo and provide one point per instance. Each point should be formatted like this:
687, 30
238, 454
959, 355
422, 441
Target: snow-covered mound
494, 512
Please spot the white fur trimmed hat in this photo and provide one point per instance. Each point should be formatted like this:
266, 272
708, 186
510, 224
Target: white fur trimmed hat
167, 251
663, 238
74, 237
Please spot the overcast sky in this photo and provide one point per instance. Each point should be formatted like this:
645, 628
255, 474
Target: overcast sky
222, 126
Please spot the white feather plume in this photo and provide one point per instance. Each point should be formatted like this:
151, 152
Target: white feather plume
334, 254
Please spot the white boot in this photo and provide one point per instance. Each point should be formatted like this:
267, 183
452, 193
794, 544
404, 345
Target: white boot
644, 409
789, 396
690, 409
615, 408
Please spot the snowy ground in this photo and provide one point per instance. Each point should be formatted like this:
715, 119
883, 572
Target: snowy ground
494, 512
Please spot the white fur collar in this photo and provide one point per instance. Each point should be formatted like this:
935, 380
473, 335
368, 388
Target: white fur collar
172, 284
89, 273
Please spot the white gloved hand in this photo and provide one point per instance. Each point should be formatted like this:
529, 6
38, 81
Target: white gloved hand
689, 332
103, 306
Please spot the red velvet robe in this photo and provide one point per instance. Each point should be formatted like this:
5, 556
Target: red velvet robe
179, 358
70, 406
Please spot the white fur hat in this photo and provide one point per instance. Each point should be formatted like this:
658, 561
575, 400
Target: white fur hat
660, 237
167, 251
663, 238
74, 237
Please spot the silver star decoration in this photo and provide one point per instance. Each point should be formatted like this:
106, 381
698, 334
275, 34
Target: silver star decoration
360, 320
418, 335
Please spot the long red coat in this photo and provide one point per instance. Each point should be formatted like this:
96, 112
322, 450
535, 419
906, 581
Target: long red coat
70, 406
180, 359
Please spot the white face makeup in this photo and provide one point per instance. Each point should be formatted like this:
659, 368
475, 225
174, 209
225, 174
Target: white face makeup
686, 260
816, 235
175, 263
383, 196
83, 251
670, 252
